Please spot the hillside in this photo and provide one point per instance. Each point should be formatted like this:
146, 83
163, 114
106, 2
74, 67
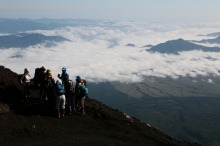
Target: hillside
24, 40
32, 123
175, 46
211, 41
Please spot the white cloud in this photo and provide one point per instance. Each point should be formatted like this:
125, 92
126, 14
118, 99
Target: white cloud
99, 53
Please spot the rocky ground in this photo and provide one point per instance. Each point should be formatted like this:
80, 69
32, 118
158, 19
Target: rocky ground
25, 123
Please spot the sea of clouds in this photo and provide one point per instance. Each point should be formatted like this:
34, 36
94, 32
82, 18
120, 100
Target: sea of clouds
99, 53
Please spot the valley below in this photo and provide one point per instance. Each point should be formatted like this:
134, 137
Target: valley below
184, 110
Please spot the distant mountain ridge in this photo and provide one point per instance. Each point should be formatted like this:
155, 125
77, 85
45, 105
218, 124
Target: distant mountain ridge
211, 41
175, 46
19, 25
22, 24
23, 40
215, 34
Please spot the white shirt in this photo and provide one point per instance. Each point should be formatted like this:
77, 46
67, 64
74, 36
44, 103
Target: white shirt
26, 78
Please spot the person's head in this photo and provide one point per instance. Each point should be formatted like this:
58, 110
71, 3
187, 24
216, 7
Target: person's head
48, 71
59, 81
78, 78
50, 74
43, 68
26, 71
64, 69
83, 82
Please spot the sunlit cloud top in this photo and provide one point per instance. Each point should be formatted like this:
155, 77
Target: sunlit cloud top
99, 53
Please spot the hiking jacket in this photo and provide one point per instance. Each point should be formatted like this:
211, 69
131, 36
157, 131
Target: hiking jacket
59, 89
64, 76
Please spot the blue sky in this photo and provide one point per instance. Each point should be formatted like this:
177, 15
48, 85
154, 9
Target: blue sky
147, 10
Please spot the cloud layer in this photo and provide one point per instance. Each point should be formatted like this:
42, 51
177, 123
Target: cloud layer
99, 53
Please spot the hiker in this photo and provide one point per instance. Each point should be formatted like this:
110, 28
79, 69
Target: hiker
42, 83
39, 75
83, 95
64, 76
48, 87
60, 98
69, 93
26, 82
81, 92
77, 92
36, 77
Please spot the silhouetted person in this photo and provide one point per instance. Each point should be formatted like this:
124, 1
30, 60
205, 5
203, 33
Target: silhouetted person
69, 93
49, 84
83, 94
25, 81
41, 83
77, 92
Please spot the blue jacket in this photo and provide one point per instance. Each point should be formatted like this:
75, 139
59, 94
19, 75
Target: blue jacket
59, 88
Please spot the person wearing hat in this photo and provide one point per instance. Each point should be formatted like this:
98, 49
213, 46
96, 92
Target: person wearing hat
42, 83
77, 92
64, 76
26, 81
60, 98
48, 86
39, 75
83, 94
69, 93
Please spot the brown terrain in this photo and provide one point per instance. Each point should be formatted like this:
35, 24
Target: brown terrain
32, 123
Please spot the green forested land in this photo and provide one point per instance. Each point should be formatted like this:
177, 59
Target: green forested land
190, 118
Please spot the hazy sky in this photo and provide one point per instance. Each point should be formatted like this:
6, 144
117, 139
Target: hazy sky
147, 10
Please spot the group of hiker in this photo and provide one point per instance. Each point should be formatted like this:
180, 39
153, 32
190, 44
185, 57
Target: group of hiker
62, 93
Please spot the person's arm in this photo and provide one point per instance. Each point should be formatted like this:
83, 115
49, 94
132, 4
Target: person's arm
59, 76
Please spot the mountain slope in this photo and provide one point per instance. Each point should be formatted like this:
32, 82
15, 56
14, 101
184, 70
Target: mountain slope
23, 40
175, 46
31, 123
211, 41
185, 108
8, 25
215, 34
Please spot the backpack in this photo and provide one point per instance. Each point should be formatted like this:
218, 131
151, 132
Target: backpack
59, 89
50, 83
78, 88
84, 90
36, 76
68, 86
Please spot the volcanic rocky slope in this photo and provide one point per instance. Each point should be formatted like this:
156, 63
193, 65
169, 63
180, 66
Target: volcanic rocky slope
25, 123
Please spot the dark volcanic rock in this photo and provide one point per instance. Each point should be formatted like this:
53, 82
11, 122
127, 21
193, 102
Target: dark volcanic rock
4, 108
32, 123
